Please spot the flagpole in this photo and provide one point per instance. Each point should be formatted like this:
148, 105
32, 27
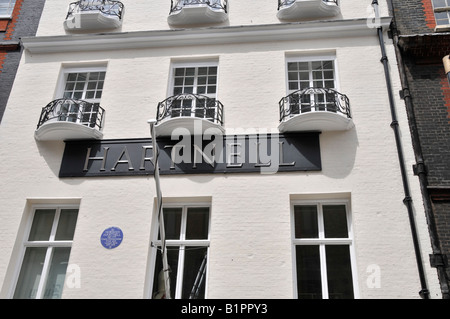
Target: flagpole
159, 210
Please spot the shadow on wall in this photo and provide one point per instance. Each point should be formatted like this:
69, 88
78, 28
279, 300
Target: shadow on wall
338, 151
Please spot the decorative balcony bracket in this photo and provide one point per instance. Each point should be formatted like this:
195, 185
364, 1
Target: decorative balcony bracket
315, 109
94, 15
68, 119
197, 12
307, 9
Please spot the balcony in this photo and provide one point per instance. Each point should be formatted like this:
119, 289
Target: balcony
307, 9
315, 109
94, 15
193, 112
68, 119
197, 12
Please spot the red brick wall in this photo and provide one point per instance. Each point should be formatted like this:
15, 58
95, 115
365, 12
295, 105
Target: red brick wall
429, 14
8, 26
446, 92
2, 59
12, 23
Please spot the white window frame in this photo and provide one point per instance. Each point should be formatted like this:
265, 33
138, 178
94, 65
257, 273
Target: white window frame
321, 241
9, 4
156, 243
311, 58
196, 65
441, 27
208, 63
61, 84
50, 245
65, 73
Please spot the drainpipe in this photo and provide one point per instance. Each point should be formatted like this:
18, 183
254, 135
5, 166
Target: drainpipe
162, 233
424, 293
437, 259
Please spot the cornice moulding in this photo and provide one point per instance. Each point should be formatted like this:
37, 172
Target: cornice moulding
202, 36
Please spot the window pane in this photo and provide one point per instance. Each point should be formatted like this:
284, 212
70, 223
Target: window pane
158, 281
439, 3
335, 221
42, 224
30, 274
66, 224
340, 283
305, 219
197, 223
57, 273
190, 71
212, 70
316, 65
172, 223
194, 275
179, 72
292, 66
309, 283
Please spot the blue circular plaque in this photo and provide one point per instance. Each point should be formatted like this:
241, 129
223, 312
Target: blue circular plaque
111, 237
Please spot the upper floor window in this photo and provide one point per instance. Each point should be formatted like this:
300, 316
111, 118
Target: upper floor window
6, 8
196, 87
442, 13
87, 85
313, 73
46, 253
82, 85
192, 98
194, 79
323, 250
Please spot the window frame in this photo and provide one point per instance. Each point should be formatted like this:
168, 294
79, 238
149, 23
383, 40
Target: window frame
69, 115
11, 5
63, 80
48, 244
446, 9
205, 63
312, 58
321, 241
183, 242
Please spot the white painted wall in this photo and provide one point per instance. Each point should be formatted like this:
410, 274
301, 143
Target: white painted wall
152, 15
251, 250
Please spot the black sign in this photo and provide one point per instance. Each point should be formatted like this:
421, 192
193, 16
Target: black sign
262, 153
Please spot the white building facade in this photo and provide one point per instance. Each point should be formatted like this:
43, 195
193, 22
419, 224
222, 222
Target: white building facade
280, 175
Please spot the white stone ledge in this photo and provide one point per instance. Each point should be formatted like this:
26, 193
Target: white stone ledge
202, 36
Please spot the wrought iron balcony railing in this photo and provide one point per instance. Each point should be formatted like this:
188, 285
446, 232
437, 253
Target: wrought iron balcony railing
177, 5
107, 7
285, 3
314, 99
186, 105
74, 111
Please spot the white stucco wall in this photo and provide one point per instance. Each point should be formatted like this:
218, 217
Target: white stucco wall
250, 236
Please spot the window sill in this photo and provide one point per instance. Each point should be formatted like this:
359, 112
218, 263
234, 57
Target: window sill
442, 28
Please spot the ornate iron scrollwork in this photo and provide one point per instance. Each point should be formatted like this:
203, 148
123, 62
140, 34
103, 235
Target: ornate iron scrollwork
177, 5
75, 111
108, 7
286, 3
191, 105
314, 99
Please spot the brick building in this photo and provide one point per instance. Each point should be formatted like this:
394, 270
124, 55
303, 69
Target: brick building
18, 18
420, 31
